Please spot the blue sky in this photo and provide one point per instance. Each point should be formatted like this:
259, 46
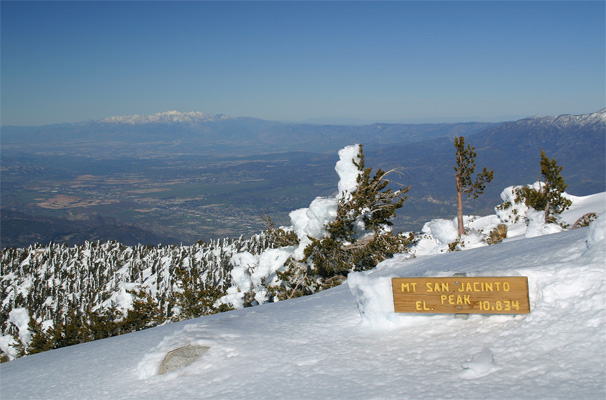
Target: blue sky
373, 61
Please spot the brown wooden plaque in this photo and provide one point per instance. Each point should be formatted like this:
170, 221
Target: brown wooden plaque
461, 295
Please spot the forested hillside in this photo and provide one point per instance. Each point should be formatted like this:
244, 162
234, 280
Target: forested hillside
83, 292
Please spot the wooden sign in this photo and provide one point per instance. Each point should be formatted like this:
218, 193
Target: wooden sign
461, 295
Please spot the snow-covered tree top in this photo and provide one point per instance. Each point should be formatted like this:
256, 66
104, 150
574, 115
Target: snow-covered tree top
347, 170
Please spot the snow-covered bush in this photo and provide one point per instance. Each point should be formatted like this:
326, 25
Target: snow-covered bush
513, 209
518, 211
547, 196
96, 290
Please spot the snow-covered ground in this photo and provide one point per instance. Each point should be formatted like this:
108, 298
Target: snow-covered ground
322, 346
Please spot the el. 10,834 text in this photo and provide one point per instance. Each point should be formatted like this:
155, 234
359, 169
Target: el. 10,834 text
505, 305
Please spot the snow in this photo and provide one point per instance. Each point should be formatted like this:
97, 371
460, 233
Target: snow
567, 120
521, 221
166, 117
252, 273
442, 230
582, 205
19, 317
347, 342
597, 234
310, 221
537, 225
348, 172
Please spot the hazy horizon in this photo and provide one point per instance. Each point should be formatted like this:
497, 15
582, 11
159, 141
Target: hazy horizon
332, 120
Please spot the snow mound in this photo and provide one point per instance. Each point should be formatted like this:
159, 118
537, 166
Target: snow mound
537, 226
597, 232
311, 221
596, 239
19, 319
480, 365
442, 230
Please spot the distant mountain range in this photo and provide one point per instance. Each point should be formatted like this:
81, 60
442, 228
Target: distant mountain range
197, 133
133, 145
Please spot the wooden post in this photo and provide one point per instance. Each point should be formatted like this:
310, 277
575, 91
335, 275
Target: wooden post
461, 315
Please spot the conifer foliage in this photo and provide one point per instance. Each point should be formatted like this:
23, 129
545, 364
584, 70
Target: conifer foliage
464, 169
549, 197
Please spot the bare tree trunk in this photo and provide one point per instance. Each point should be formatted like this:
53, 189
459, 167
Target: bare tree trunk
459, 206
544, 190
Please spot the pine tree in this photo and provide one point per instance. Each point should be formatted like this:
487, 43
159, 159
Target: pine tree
197, 297
144, 314
104, 322
370, 207
40, 339
278, 237
75, 331
549, 196
464, 169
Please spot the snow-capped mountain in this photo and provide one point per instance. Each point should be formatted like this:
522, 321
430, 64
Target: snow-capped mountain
567, 121
194, 117
562, 121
